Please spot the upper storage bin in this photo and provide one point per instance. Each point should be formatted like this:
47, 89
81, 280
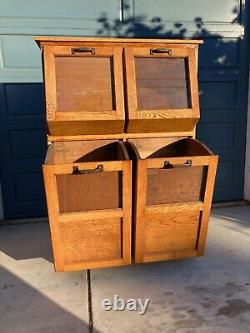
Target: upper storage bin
89, 82
162, 90
84, 89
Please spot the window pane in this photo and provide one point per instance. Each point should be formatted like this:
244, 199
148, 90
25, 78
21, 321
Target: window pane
84, 83
161, 83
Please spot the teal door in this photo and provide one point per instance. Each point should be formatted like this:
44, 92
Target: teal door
223, 77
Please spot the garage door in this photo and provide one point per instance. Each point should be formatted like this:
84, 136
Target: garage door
222, 76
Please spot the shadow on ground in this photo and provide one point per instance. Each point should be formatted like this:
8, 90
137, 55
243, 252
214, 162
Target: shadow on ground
26, 241
199, 295
24, 309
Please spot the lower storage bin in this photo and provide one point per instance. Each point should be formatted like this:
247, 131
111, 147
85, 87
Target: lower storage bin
88, 190
174, 189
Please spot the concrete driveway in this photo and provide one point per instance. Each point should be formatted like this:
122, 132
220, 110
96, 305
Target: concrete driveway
208, 294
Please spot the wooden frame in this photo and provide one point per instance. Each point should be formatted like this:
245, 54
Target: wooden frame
83, 121
123, 136
119, 218
165, 119
197, 212
63, 40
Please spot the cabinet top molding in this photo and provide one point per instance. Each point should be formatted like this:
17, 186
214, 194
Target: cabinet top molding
45, 39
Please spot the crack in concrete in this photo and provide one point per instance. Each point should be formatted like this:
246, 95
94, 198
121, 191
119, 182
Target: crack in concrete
90, 309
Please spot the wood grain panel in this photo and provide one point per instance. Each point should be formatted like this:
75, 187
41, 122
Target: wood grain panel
166, 186
162, 83
208, 202
85, 151
91, 215
52, 205
42, 40
91, 191
84, 83
162, 94
171, 232
184, 147
170, 255
147, 146
84, 90
174, 208
93, 240
121, 136
156, 121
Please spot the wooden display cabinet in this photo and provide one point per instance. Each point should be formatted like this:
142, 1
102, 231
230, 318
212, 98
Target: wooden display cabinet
121, 117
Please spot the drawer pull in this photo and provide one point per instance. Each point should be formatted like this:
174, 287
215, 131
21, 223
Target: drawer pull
168, 165
76, 170
83, 50
160, 51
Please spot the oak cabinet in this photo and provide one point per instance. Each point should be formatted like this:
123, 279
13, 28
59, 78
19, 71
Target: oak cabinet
125, 179
162, 88
88, 190
174, 187
84, 89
